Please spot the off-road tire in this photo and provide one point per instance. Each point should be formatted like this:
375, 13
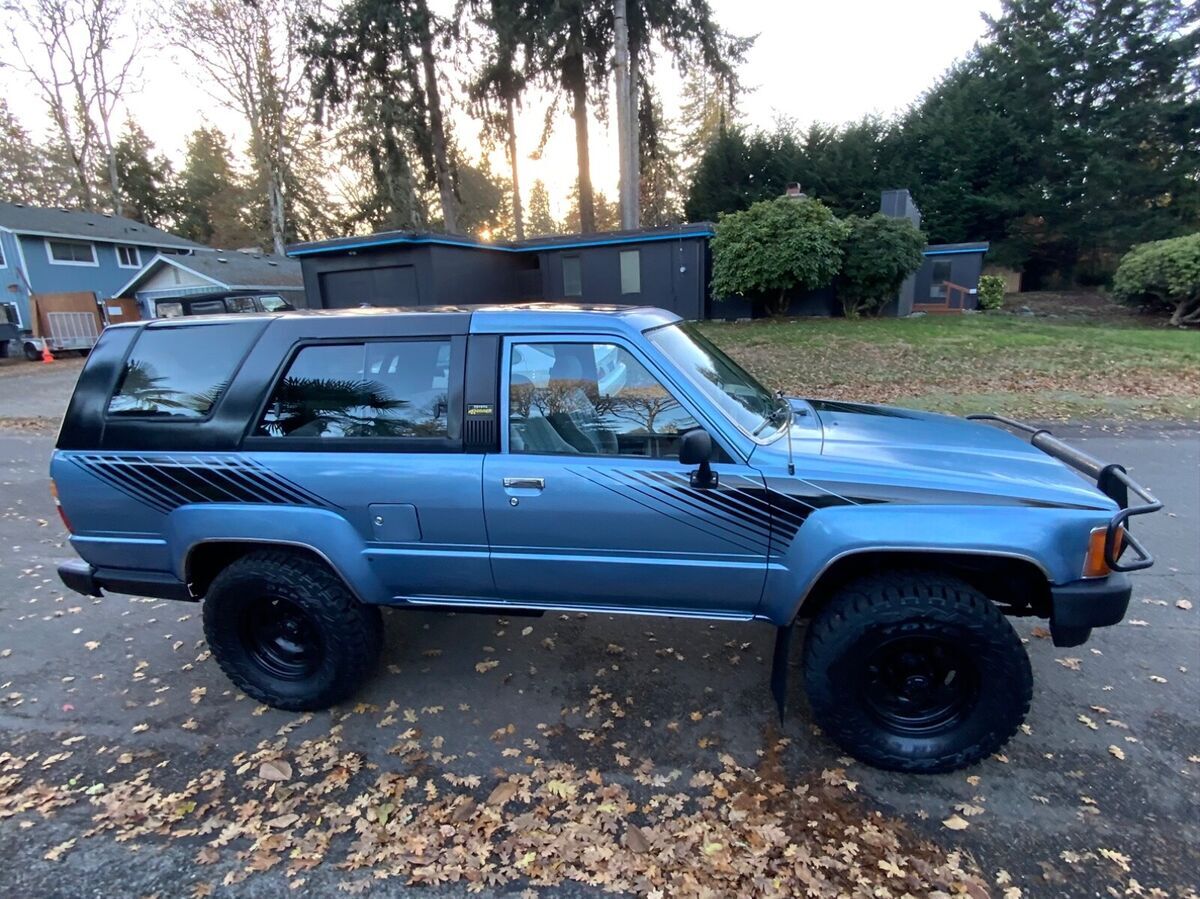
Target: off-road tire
349, 632
869, 615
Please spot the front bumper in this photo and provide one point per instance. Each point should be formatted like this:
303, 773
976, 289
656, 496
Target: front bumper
1079, 606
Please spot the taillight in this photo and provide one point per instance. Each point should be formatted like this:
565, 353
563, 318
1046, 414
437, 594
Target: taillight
58, 505
1094, 564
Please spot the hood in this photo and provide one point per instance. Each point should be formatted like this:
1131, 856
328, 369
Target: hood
892, 454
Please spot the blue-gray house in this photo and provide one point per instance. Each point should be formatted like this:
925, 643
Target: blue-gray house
44, 250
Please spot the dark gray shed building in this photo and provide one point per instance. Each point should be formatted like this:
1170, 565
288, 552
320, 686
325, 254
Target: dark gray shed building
948, 278
667, 267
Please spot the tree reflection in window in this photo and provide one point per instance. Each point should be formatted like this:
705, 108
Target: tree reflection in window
325, 393
616, 407
144, 392
180, 372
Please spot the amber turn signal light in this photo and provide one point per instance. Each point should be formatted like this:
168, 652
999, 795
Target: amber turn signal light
1094, 564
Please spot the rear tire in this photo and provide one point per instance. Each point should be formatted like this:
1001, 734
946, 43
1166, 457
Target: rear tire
32, 353
917, 672
287, 632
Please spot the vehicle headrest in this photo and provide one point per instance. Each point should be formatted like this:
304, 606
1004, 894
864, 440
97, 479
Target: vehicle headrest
567, 368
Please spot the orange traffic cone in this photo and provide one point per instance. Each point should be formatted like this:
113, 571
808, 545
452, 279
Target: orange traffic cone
47, 356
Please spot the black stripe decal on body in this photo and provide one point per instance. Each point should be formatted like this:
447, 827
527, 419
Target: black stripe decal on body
676, 500
168, 482
659, 508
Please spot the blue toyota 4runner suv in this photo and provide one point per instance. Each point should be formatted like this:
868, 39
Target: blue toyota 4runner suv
296, 472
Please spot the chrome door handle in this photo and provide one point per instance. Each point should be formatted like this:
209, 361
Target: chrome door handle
529, 483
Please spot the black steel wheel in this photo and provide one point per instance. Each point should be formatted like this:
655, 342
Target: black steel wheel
281, 637
286, 631
918, 685
916, 671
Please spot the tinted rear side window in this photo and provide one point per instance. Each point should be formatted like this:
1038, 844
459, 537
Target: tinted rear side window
394, 389
180, 372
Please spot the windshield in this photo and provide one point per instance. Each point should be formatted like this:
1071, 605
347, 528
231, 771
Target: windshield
746, 402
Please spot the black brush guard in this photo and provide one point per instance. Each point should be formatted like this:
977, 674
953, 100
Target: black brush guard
1112, 480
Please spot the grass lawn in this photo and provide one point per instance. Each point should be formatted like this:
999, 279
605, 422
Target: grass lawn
1022, 366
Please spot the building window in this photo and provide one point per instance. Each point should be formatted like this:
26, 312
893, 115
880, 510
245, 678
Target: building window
572, 277
631, 271
2, 262
941, 274
71, 252
396, 389
129, 257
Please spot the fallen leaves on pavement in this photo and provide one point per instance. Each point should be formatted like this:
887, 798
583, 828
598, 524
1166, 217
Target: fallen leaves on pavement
730, 830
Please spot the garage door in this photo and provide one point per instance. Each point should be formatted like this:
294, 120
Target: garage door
394, 285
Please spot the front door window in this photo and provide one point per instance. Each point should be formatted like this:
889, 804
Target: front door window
592, 399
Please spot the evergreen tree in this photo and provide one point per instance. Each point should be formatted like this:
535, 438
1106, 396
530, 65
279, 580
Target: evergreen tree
740, 168
486, 204
660, 200
847, 167
708, 107
1071, 134
568, 44
540, 221
498, 86
31, 173
606, 213
212, 195
375, 65
148, 191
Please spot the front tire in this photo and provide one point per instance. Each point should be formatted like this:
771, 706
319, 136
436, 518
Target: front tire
916, 672
288, 633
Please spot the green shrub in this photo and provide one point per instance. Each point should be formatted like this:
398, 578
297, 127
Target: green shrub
1163, 275
776, 247
991, 292
880, 252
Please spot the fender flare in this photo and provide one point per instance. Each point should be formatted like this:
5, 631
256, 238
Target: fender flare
326, 534
1052, 541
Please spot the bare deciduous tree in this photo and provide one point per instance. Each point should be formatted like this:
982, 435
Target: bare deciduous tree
79, 56
247, 52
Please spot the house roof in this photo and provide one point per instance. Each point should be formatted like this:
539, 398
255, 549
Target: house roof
951, 249
228, 271
532, 245
50, 222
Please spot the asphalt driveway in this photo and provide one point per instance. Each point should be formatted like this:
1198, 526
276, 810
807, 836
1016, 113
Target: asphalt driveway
131, 767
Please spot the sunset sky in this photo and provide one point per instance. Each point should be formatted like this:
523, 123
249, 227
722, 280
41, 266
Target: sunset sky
812, 61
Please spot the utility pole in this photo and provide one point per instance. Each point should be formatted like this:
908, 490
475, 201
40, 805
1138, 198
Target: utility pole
626, 113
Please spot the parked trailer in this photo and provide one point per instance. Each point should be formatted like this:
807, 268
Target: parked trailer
66, 321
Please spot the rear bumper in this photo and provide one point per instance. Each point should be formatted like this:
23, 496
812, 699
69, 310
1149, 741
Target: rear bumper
83, 578
1079, 606
79, 576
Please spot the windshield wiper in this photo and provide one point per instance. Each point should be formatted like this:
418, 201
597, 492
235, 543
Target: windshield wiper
773, 417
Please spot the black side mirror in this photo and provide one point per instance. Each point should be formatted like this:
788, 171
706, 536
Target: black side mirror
696, 448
